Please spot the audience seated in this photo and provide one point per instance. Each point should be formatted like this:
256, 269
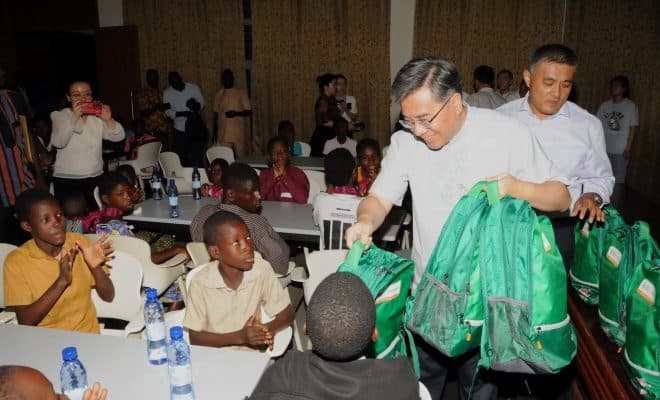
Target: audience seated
128, 172
484, 96
240, 186
138, 137
286, 130
214, 188
226, 298
47, 282
341, 139
19, 383
369, 157
282, 181
75, 209
340, 322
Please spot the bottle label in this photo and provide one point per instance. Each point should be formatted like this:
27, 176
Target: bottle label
156, 331
197, 184
157, 353
155, 185
180, 375
174, 201
75, 394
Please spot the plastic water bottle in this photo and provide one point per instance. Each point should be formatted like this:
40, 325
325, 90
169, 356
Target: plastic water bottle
156, 180
173, 197
73, 375
155, 327
178, 354
196, 184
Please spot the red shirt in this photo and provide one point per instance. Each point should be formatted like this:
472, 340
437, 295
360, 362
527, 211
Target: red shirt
293, 186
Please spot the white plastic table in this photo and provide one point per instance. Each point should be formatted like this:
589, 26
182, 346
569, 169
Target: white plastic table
121, 365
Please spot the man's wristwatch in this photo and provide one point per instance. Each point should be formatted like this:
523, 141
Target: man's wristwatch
596, 196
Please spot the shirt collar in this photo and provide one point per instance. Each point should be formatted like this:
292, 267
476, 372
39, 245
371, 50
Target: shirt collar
486, 89
36, 252
213, 280
564, 111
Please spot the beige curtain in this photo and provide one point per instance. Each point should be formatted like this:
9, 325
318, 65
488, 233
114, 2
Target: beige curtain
498, 33
197, 38
294, 41
614, 37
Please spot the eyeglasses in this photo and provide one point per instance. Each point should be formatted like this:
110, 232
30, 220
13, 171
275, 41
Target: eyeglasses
420, 123
87, 95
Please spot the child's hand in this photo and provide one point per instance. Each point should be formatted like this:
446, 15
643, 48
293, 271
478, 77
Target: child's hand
93, 393
98, 253
136, 195
256, 334
205, 190
66, 266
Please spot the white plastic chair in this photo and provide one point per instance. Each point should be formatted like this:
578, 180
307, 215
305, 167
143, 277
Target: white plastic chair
219, 151
423, 392
198, 253
126, 274
320, 264
147, 157
97, 197
171, 164
305, 149
5, 249
316, 184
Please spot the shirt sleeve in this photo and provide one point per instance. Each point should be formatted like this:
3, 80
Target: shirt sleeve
271, 246
115, 134
274, 298
392, 181
297, 184
634, 116
16, 287
197, 224
266, 184
64, 128
170, 112
596, 175
196, 313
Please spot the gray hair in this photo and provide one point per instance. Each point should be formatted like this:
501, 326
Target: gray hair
440, 76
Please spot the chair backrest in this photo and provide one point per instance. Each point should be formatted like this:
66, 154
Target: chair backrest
316, 184
320, 264
170, 162
97, 197
424, 393
5, 249
147, 156
198, 253
305, 148
220, 151
126, 274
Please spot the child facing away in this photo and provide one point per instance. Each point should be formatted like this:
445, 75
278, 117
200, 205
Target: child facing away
75, 209
286, 130
214, 189
226, 297
341, 323
336, 210
240, 186
369, 158
341, 139
114, 191
282, 181
49, 279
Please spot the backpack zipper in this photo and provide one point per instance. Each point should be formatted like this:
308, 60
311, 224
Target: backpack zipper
549, 327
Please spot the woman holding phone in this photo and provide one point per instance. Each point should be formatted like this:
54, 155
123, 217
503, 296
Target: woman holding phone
78, 133
325, 111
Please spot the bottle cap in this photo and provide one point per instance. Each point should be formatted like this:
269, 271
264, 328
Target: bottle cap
69, 353
151, 293
176, 332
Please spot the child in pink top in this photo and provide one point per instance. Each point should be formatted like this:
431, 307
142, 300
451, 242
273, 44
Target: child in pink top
214, 189
282, 182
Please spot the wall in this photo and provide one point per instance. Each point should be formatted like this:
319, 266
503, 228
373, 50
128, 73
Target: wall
111, 13
402, 24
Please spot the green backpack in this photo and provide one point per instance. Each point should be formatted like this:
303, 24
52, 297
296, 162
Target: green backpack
585, 267
388, 277
642, 351
523, 281
446, 309
623, 248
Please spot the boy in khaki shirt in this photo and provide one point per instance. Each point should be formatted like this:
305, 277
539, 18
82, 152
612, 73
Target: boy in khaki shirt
225, 298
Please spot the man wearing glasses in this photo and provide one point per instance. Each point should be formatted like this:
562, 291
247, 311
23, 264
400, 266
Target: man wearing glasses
446, 147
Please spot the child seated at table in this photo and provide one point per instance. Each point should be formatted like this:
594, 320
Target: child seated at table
136, 194
341, 139
75, 209
114, 192
286, 130
368, 157
336, 210
341, 323
226, 297
240, 186
281, 181
47, 282
214, 189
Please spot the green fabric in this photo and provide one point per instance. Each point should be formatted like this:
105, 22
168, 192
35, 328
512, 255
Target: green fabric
585, 267
389, 278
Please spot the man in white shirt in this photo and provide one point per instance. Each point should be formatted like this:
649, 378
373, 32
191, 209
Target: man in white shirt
341, 139
445, 149
484, 96
347, 103
180, 96
504, 81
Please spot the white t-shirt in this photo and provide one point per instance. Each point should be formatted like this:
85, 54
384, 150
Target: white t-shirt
617, 118
510, 95
334, 213
332, 144
489, 143
485, 98
178, 102
353, 107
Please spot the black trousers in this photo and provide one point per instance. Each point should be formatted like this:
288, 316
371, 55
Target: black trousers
191, 153
10, 229
63, 186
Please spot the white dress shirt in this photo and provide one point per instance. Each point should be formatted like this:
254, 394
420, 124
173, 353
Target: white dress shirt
485, 98
178, 101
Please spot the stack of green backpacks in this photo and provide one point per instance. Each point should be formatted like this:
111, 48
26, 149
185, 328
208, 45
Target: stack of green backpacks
496, 281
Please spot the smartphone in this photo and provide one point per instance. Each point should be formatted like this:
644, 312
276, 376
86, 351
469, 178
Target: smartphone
349, 106
91, 107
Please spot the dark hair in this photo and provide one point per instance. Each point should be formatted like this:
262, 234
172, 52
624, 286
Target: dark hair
341, 316
339, 121
506, 71
276, 139
339, 165
366, 143
237, 175
555, 53
325, 80
623, 81
227, 79
484, 74
7, 391
26, 200
125, 171
109, 181
284, 124
440, 76
221, 162
341, 76
74, 204
213, 223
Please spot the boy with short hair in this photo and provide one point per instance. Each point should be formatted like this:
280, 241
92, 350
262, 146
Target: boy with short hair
240, 186
225, 298
369, 157
341, 139
46, 282
336, 210
341, 323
